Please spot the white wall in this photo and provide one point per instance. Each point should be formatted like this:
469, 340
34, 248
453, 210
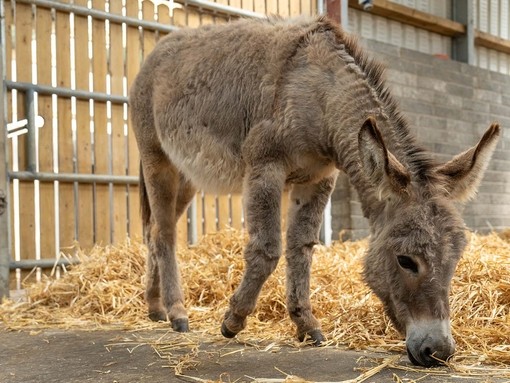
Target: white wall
490, 16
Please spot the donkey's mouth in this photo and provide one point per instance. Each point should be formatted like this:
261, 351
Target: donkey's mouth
429, 342
427, 361
412, 358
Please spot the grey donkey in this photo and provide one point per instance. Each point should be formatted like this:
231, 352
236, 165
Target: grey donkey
257, 106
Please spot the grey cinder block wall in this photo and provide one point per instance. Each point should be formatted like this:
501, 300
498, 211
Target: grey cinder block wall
449, 105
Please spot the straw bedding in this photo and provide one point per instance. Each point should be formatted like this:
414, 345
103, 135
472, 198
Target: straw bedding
106, 289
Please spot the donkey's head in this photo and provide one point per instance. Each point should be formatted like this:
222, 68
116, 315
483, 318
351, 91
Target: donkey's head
418, 237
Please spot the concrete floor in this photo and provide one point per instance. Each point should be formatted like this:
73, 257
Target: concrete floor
150, 356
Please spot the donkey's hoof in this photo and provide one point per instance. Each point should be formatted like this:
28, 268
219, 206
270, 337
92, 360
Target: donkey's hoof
157, 316
180, 325
226, 332
315, 337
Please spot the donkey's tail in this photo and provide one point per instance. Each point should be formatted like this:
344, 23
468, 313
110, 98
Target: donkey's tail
145, 208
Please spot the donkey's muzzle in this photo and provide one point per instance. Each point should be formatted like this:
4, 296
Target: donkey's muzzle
427, 358
429, 343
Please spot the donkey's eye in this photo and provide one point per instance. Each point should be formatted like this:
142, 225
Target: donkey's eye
407, 263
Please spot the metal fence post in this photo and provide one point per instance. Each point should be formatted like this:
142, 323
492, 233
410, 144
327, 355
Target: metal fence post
31, 134
192, 222
463, 46
5, 247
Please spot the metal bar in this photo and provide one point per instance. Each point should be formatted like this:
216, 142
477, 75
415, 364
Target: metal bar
326, 231
74, 177
320, 7
101, 15
66, 92
192, 222
5, 229
29, 264
220, 8
344, 14
31, 133
463, 46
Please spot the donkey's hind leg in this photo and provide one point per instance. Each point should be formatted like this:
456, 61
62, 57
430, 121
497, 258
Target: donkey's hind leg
262, 192
305, 217
152, 289
185, 194
168, 195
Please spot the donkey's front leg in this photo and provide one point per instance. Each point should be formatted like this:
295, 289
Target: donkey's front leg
305, 217
262, 192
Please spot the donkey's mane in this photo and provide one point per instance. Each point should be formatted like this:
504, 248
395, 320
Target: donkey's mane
420, 161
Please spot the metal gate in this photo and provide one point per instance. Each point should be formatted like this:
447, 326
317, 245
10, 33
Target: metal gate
71, 162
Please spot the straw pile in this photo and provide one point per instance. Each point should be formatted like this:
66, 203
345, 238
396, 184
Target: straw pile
106, 289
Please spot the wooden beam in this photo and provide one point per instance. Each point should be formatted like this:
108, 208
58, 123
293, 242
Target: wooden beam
483, 39
410, 16
333, 8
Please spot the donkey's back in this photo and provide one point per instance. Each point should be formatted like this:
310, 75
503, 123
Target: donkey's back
201, 90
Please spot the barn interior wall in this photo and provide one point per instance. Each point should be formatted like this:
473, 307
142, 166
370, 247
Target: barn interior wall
379, 28
491, 17
449, 105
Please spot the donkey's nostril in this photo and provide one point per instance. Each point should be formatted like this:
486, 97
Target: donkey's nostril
433, 358
428, 360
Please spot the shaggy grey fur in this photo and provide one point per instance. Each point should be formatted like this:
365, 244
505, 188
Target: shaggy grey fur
254, 106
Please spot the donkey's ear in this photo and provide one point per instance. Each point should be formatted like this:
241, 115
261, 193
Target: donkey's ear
379, 165
465, 171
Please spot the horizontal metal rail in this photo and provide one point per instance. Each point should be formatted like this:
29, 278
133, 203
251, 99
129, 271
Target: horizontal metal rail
101, 15
220, 8
29, 264
74, 177
65, 92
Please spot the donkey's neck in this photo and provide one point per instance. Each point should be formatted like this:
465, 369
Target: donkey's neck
356, 104
357, 92
398, 140
348, 160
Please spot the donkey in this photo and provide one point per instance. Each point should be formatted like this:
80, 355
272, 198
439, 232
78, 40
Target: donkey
255, 106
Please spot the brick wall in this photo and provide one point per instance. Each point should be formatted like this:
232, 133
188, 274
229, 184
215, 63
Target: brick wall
449, 105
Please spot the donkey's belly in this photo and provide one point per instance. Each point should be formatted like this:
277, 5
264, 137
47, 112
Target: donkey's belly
209, 165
